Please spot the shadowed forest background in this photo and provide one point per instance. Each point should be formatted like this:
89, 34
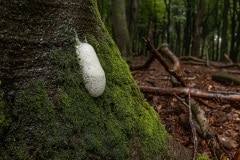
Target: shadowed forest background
190, 27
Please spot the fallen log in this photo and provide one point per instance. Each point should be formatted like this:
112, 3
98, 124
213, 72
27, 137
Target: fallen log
225, 78
192, 91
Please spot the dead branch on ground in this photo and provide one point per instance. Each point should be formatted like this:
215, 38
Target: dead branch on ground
165, 64
194, 93
191, 122
225, 78
198, 61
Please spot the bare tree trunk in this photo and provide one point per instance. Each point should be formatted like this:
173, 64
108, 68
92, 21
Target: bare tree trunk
233, 54
188, 29
132, 19
224, 42
121, 34
168, 11
196, 41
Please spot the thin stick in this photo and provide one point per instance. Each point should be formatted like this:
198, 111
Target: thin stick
195, 142
194, 133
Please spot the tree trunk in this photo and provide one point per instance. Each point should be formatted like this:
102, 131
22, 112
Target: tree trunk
178, 39
233, 54
120, 28
196, 41
168, 20
46, 112
224, 42
132, 19
188, 29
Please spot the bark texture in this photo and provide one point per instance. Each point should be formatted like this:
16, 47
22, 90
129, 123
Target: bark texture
45, 111
120, 28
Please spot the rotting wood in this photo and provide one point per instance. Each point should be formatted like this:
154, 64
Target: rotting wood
192, 91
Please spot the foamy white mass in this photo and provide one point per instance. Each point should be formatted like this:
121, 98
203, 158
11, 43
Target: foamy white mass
92, 71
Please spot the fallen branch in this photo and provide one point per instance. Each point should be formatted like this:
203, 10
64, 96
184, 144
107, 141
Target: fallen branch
191, 122
224, 77
176, 64
165, 64
194, 93
198, 61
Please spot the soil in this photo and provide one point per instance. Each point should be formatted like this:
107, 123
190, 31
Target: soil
223, 116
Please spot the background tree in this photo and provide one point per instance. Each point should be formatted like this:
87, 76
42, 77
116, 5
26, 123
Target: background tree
224, 40
132, 9
120, 28
188, 26
197, 29
45, 110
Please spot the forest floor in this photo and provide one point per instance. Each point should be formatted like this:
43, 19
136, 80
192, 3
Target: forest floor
223, 116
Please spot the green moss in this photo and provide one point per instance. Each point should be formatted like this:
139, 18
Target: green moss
202, 157
75, 125
3, 120
78, 126
116, 123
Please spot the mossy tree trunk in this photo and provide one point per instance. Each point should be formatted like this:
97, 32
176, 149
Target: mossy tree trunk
45, 110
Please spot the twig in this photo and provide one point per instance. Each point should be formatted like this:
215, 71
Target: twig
194, 133
195, 142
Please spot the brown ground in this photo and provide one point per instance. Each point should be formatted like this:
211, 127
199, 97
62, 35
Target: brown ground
223, 116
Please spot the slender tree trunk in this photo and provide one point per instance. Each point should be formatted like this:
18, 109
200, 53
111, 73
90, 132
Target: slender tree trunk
132, 19
236, 55
196, 41
233, 53
121, 34
178, 39
224, 42
188, 29
168, 11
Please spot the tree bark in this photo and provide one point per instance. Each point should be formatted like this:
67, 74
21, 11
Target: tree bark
132, 19
233, 54
188, 28
46, 112
120, 28
224, 42
196, 41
